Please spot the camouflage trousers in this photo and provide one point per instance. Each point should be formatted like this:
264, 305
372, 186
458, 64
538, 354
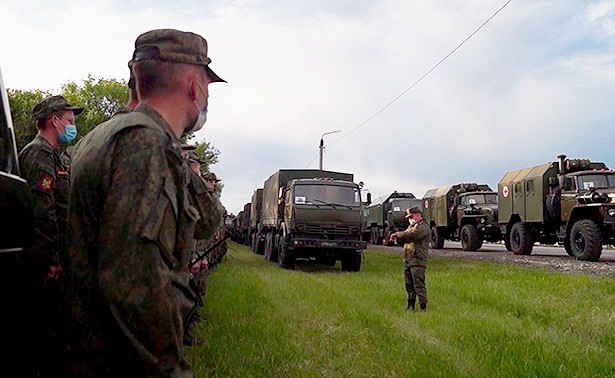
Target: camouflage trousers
414, 278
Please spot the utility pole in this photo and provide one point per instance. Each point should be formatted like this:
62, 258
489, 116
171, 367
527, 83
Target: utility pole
322, 144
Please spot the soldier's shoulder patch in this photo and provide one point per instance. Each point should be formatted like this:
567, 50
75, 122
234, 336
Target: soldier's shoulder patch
45, 182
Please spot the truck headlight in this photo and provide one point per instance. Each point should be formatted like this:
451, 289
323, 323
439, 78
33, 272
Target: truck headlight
611, 212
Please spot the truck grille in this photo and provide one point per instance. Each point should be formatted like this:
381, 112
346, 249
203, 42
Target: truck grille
331, 229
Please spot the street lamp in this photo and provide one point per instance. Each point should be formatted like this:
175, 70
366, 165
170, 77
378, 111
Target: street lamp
322, 144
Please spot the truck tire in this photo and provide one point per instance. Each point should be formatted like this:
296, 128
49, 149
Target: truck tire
507, 240
586, 240
351, 262
286, 258
437, 240
469, 238
521, 240
567, 246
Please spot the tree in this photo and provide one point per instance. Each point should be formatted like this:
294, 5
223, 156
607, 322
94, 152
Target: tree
22, 102
100, 99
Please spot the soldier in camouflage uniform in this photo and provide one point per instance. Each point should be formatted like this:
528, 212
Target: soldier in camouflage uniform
211, 209
416, 243
131, 223
46, 170
47, 173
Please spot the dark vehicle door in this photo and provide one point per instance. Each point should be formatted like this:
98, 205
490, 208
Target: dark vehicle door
16, 219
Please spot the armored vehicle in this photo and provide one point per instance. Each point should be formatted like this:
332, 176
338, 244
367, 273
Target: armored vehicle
466, 212
387, 215
257, 243
312, 214
570, 201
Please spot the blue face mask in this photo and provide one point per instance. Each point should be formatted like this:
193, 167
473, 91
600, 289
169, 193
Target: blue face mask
69, 134
201, 119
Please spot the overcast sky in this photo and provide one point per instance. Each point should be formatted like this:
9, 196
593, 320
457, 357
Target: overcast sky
537, 81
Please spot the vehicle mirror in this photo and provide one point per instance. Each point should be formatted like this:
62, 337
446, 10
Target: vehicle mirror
369, 198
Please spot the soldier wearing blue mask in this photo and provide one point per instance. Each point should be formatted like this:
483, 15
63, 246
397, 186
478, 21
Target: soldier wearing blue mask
47, 173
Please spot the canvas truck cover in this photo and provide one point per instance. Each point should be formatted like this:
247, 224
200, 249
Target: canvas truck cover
523, 192
256, 207
436, 202
375, 211
279, 180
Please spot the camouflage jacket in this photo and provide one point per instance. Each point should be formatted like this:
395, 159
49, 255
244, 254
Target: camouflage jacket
209, 206
129, 233
416, 244
47, 173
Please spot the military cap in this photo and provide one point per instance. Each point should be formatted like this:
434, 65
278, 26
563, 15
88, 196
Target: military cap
210, 176
412, 210
51, 104
171, 45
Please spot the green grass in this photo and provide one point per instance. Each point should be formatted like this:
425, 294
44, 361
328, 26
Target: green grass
483, 320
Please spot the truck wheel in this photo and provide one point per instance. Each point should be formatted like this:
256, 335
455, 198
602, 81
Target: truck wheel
586, 240
469, 238
567, 246
351, 262
286, 258
437, 240
507, 240
521, 240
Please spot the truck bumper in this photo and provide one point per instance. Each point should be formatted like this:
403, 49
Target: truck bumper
321, 243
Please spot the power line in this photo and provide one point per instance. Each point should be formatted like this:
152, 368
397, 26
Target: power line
420, 79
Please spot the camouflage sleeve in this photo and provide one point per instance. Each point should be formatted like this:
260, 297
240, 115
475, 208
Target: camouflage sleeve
209, 206
38, 169
413, 233
139, 274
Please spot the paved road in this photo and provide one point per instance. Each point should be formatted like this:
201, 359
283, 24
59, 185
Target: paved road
546, 258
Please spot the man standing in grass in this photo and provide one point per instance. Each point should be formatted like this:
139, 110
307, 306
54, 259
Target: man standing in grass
416, 244
130, 224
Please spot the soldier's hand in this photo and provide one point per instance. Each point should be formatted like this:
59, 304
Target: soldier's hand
393, 238
204, 263
194, 269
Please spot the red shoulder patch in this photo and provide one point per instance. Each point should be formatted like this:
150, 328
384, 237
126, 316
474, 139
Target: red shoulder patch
45, 183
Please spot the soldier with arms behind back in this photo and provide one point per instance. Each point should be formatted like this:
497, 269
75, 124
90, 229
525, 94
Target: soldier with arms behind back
416, 243
131, 224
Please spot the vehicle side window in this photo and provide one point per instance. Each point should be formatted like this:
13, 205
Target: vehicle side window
569, 184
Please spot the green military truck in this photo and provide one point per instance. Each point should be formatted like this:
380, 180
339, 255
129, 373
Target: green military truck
244, 229
387, 215
312, 214
256, 243
569, 201
462, 212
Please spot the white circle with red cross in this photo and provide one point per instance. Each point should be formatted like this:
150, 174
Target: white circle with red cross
505, 191
426, 204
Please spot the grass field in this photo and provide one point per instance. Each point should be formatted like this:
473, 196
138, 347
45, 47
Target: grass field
483, 320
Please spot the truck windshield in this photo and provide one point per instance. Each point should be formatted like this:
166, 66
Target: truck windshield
482, 198
327, 195
597, 181
401, 205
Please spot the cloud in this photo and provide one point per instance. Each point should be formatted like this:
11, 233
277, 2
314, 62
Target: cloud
536, 81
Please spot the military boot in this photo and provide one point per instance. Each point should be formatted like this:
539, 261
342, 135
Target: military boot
423, 307
411, 304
